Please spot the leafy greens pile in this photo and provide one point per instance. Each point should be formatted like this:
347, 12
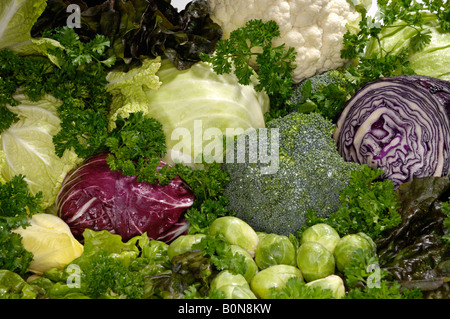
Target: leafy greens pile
65, 81
409, 225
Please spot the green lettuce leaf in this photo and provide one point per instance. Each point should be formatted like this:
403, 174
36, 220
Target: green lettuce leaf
13, 286
128, 89
17, 18
27, 147
430, 60
96, 241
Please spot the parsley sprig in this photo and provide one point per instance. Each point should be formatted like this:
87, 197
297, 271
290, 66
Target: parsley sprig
222, 257
368, 205
410, 12
77, 53
136, 146
78, 79
17, 205
253, 44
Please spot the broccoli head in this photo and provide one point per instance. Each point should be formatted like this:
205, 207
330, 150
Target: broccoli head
310, 175
325, 93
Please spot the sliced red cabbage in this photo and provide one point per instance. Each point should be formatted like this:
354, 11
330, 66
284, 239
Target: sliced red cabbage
399, 124
92, 196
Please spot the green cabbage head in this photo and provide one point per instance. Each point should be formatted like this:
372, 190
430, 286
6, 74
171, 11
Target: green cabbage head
196, 107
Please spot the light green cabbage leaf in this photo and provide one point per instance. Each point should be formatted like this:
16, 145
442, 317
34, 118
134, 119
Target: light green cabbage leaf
129, 89
432, 61
50, 241
27, 147
197, 108
17, 18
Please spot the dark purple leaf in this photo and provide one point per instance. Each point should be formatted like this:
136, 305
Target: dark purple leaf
92, 196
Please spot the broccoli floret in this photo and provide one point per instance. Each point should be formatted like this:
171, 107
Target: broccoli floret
310, 176
324, 93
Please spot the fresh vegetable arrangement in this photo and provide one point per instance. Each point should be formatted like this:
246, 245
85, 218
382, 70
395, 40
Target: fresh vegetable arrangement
116, 179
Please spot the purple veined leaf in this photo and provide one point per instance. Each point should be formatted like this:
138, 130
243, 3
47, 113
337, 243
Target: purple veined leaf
181, 227
400, 125
94, 197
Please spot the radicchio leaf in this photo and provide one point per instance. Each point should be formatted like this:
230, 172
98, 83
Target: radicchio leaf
94, 197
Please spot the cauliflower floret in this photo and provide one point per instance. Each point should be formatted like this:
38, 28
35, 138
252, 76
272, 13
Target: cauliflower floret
315, 28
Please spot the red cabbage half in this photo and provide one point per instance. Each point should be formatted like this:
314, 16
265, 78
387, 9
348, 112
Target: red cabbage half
400, 125
94, 197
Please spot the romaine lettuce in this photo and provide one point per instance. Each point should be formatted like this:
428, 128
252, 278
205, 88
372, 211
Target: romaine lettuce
28, 149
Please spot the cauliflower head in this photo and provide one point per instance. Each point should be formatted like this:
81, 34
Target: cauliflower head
315, 28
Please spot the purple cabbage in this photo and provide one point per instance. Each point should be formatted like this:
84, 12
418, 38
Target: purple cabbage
94, 197
400, 125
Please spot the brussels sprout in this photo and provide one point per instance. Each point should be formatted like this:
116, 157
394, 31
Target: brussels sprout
227, 278
322, 233
331, 282
236, 232
233, 286
183, 244
315, 261
273, 277
344, 250
274, 249
252, 268
237, 292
